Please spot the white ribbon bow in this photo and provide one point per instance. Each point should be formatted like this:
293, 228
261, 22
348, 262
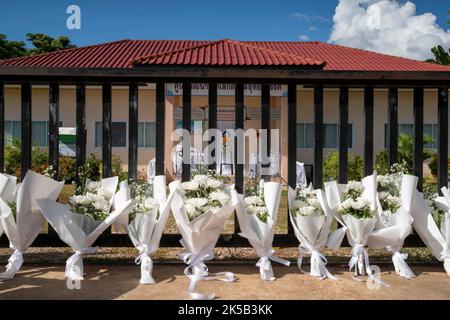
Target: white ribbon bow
318, 263
73, 271
14, 264
400, 265
360, 261
197, 270
146, 263
447, 265
265, 267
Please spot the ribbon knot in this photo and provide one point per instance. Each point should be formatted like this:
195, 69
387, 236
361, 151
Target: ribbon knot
74, 265
265, 267
197, 270
400, 265
360, 261
318, 263
14, 264
146, 263
447, 265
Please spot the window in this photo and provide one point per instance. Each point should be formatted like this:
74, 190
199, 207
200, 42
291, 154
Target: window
146, 134
39, 132
118, 134
305, 135
408, 129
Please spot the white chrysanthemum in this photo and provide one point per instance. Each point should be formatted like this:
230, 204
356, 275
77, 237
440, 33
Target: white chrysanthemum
220, 196
298, 204
201, 178
105, 193
306, 211
214, 183
354, 185
150, 203
197, 202
190, 185
382, 195
257, 209
315, 203
253, 201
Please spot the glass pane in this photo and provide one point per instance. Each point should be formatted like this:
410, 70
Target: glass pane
406, 129
98, 134
331, 136
39, 133
300, 135
16, 129
141, 134
119, 134
309, 135
150, 134
428, 131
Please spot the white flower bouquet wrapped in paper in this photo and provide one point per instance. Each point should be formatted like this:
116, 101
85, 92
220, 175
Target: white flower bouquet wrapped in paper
354, 208
311, 219
257, 216
432, 224
83, 220
201, 207
395, 196
21, 219
148, 219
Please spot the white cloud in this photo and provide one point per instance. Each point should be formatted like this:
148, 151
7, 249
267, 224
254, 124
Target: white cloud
312, 28
308, 18
304, 37
387, 26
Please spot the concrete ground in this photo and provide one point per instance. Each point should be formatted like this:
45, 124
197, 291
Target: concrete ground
121, 282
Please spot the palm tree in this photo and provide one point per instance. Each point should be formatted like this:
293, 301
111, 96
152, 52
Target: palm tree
440, 56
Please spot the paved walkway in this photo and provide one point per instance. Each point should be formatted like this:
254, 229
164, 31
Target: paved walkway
121, 282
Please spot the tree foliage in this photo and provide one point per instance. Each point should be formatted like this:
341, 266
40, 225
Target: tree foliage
42, 43
440, 56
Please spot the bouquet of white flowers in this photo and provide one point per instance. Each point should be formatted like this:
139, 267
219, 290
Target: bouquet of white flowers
355, 208
433, 225
257, 216
395, 195
201, 207
148, 218
20, 217
311, 219
82, 221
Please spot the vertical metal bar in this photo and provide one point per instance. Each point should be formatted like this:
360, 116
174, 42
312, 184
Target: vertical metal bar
186, 167
26, 144
212, 119
292, 140
265, 127
2, 126
160, 128
343, 134
418, 135
106, 132
442, 137
318, 139
133, 130
81, 125
393, 126
53, 128
368, 130
239, 127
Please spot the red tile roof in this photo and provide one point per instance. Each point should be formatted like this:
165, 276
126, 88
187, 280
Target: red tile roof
227, 52
128, 53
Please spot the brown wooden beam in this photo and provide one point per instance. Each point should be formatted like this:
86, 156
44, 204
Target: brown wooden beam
368, 130
186, 166
133, 125
343, 134
318, 136
160, 128
107, 130
418, 101
26, 142
81, 125
265, 126
53, 128
392, 126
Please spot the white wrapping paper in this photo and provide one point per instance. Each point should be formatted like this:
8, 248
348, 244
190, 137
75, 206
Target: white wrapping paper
145, 230
260, 234
312, 233
80, 231
360, 233
23, 230
199, 237
403, 220
437, 239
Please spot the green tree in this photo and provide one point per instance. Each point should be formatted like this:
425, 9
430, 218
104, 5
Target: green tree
11, 49
44, 43
355, 167
440, 56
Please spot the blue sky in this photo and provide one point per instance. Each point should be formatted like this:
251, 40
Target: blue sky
107, 20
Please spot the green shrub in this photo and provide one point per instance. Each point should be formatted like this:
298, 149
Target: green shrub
117, 168
433, 164
12, 157
355, 167
67, 169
